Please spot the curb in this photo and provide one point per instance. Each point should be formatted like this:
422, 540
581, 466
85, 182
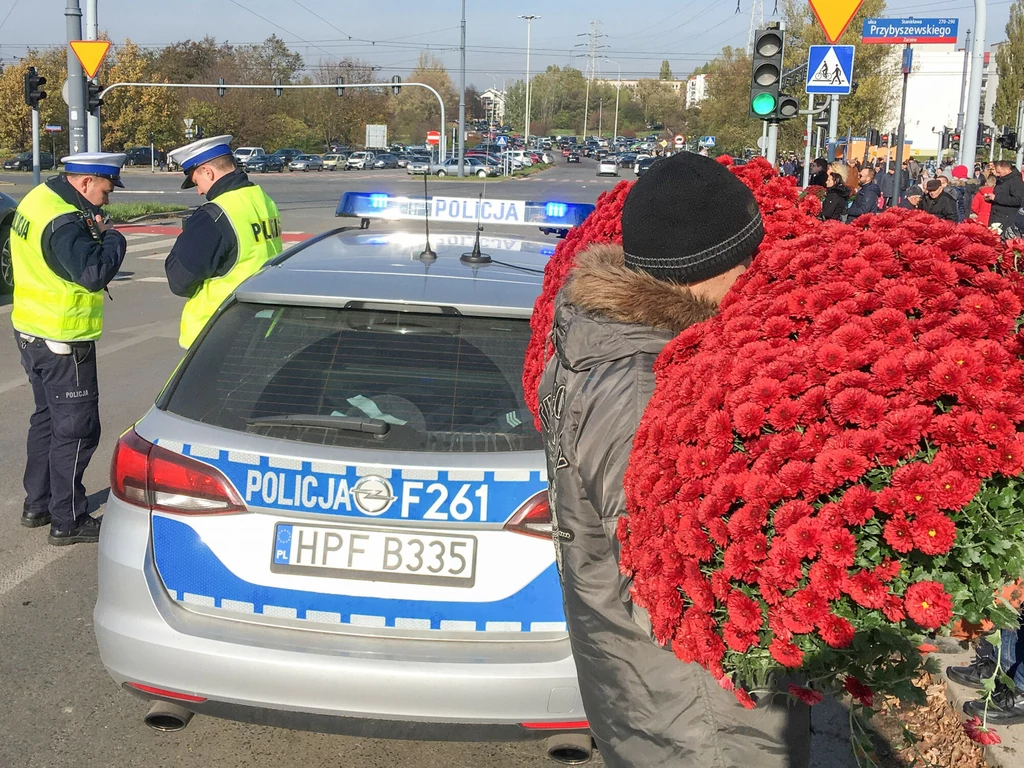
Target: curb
1009, 754
172, 231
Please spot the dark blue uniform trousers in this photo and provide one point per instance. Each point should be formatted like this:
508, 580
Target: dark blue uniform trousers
63, 431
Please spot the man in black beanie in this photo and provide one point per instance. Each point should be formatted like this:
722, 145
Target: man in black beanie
689, 229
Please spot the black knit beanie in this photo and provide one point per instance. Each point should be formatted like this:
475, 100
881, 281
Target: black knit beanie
688, 219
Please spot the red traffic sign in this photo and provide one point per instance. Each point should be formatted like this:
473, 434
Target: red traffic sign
835, 16
433, 137
680, 141
90, 54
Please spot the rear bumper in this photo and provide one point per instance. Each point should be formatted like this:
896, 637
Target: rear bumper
304, 678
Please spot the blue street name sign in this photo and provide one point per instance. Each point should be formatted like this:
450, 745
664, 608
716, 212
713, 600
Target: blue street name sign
830, 69
899, 31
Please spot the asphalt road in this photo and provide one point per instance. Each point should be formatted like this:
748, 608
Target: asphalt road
60, 710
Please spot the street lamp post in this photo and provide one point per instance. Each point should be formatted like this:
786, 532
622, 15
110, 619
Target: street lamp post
618, 87
529, 23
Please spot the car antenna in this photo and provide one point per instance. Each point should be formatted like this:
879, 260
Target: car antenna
427, 254
474, 256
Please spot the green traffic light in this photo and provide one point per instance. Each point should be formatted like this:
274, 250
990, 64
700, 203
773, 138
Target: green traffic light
763, 104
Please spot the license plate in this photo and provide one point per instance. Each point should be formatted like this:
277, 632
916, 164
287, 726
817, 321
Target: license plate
410, 557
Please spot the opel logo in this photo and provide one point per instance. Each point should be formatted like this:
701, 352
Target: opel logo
373, 495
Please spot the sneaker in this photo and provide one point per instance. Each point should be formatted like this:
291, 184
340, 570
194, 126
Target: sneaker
86, 532
974, 674
34, 518
1007, 707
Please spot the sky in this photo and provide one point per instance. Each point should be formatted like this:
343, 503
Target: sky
636, 36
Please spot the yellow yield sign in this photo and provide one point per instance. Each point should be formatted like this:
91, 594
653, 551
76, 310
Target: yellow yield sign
835, 15
90, 54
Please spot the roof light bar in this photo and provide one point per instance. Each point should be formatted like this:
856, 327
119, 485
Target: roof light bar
466, 210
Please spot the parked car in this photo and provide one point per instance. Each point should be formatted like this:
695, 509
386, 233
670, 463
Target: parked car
645, 165
242, 154
636, 163
8, 205
360, 161
287, 155
264, 164
23, 162
385, 161
607, 166
306, 163
143, 156
473, 167
572, 157
332, 161
418, 164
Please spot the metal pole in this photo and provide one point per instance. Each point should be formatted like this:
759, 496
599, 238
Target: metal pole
586, 110
833, 128
35, 145
992, 149
764, 138
807, 139
462, 98
773, 142
908, 61
618, 87
963, 82
969, 135
1020, 122
76, 81
529, 91
92, 119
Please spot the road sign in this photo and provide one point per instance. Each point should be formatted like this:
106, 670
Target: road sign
433, 137
53, 128
762, 143
835, 16
90, 54
707, 141
830, 69
189, 122
663, 143
680, 141
501, 141
899, 31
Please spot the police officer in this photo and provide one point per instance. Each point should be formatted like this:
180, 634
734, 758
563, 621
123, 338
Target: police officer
226, 240
64, 253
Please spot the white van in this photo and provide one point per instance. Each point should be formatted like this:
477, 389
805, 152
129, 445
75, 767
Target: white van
245, 153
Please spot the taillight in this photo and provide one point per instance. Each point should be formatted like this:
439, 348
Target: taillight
533, 518
147, 475
168, 694
570, 725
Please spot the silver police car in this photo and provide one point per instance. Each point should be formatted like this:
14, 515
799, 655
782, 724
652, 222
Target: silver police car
335, 513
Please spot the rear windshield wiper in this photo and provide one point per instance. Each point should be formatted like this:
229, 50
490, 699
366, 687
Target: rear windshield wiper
347, 423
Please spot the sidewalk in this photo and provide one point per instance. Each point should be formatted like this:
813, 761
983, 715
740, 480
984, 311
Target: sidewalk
1009, 754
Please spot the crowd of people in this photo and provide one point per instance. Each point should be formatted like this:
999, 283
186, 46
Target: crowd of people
993, 194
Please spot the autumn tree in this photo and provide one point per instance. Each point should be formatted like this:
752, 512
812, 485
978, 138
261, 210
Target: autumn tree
130, 114
666, 71
724, 113
1010, 61
416, 109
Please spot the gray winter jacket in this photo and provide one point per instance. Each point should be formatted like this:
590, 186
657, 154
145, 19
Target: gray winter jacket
646, 708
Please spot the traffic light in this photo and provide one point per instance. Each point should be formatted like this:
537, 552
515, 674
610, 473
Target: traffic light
34, 92
954, 140
1008, 141
396, 84
789, 107
766, 72
92, 95
874, 138
221, 90
341, 85
884, 139
945, 138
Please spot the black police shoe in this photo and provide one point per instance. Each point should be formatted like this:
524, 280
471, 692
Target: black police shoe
34, 518
87, 532
974, 674
1007, 707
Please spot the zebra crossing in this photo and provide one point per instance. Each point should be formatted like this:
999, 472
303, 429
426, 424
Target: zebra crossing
151, 247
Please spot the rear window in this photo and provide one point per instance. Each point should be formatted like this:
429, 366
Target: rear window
368, 377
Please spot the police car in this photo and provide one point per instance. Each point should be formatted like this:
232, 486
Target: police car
335, 515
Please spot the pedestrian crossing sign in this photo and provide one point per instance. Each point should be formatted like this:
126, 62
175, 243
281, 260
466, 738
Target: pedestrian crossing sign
830, 69
501, 141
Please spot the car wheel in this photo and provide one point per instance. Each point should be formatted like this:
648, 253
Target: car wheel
482, 174
6, 267
306, 169
319, 169
441, 173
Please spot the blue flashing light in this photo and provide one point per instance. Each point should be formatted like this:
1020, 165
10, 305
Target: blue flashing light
556, 210
379, 201
547, 251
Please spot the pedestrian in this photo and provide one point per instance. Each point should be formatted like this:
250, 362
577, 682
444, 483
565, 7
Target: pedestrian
64, 253
936, 202
689, 229
867, 197
912, 199
981, 208
226, 240
1007, 197
1007, 705
914, 169
962, 190
887, 184
819, 173
837, 197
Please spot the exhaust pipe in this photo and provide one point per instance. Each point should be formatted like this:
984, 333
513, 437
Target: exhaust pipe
570, 748
167, 717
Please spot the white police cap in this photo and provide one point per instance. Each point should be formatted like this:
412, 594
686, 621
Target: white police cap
191, 156
105, 164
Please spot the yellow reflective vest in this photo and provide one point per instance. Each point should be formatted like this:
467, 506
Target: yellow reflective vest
45, 305
257, 225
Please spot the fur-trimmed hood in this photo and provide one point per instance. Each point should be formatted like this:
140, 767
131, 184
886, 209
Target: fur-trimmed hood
608, 312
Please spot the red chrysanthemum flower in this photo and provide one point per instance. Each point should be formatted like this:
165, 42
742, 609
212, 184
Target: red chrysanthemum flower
787, 654
744, 612
860, 692
899, 533
806, 695
836, 631
934, 533
866, 589
929, 604
839, 547
980, 734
